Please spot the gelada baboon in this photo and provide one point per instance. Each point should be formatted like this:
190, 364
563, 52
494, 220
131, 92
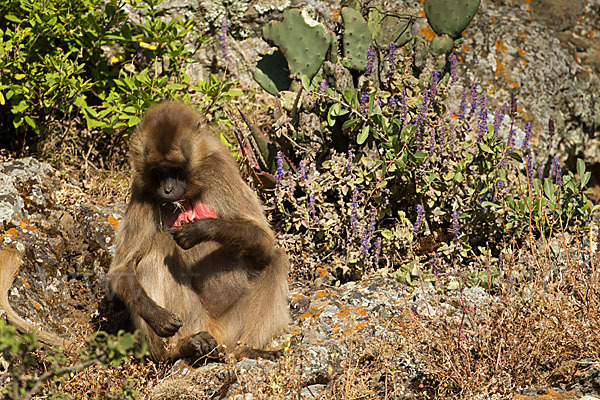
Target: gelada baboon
196, 261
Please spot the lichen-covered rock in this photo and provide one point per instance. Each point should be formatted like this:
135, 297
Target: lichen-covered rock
65, 251
520, 48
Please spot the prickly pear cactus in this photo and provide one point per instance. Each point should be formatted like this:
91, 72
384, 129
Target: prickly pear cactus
441, 45
450, 17
303, 41
272, 73
357, 39
389, 28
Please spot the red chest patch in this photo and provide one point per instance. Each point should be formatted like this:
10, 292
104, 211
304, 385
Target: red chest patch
191, 214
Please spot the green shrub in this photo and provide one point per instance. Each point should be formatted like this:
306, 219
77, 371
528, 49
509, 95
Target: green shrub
25, 375
87, 64
456, 174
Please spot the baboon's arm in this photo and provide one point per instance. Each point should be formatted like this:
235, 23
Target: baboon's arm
239, 236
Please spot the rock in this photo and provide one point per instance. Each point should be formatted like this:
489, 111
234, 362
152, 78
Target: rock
183, 382
66, 252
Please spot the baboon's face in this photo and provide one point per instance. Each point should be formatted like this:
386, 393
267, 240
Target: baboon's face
169, 180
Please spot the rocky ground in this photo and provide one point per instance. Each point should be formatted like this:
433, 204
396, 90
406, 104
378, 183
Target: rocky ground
345, 339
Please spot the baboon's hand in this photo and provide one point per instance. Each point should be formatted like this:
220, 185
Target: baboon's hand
203, 343
189, 235
164, 322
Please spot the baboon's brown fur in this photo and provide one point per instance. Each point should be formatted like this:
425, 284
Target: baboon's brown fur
213, 281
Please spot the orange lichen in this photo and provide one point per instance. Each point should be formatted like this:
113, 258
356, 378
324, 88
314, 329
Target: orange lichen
13, 232
296, 295
427, 32
549, 394
323, 272
493, 19
500, 46
113, 222
325, 293
25, 283
499, 66
335, 13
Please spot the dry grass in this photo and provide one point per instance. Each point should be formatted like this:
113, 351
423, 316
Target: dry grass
539, 332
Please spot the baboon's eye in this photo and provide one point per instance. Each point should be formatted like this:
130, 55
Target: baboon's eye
198, 125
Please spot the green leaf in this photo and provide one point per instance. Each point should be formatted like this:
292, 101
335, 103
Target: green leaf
133, 120
175, 86
349, 124
449, 176
548, 188
12, 18
580, 167
502, 174
363, 135
489, 204
585, 178
515, 156
305, 82
387, 234
335, 109
537, 186
349, 96
232, 93
458, 177
30, 122
485, 147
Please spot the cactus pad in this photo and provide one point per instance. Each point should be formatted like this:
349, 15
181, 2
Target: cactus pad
357, 39
387, 28
303, 41
272, 73
442, 44
450, 17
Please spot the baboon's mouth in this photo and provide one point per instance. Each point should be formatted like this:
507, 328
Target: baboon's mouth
186, 213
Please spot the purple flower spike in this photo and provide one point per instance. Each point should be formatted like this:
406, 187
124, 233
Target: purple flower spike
473, 100
302, 172
530, 170
527, 136
350, 158
463, 106
392, 54
377, 251
419, 220
279, 173
322, 86
455, 225
354, 214
393, 102
311, 208
370, 61
482, 118
364, 99
453, 69
434, 82
404, 107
